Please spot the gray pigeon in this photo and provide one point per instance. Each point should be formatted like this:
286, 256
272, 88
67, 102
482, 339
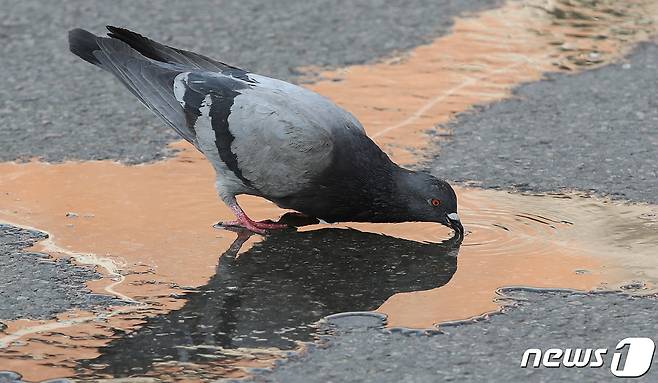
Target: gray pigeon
269, 138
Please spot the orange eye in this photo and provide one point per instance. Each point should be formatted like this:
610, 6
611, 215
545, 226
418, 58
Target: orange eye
435, 202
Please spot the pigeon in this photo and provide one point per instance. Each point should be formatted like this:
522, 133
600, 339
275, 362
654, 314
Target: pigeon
269, 138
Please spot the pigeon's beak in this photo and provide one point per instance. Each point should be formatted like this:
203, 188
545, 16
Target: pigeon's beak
456, 224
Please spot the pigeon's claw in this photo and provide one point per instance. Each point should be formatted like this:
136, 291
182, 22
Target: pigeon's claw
269, 225
242, 220
235, 224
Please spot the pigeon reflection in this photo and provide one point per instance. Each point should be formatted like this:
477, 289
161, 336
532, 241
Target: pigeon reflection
272, 294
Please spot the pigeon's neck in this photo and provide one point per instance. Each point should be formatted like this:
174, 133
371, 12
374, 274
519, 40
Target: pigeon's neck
405, 184
390, 201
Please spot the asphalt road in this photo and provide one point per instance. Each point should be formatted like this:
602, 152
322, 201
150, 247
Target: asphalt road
594, 131
35, 286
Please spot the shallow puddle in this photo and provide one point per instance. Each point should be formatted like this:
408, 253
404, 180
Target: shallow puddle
219, 301
202, 303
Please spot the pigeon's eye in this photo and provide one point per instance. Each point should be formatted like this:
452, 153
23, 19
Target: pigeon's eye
435, 202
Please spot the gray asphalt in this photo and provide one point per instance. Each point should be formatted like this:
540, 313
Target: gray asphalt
595, 131
34, 286
483, 351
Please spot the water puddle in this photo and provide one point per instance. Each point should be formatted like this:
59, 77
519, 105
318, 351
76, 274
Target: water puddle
203, 303
217, 301
550, 241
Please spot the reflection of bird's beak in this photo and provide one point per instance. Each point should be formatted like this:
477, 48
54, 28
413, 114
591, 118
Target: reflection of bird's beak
456, 224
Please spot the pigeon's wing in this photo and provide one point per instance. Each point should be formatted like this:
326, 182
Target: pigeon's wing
148, 69
150, 81
274, 136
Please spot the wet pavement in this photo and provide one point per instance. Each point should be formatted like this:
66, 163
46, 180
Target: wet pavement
270, 297
593, 131
488, 350
196, 303
64, 281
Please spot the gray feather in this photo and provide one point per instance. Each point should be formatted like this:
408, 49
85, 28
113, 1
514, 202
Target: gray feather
281, 135
149, 80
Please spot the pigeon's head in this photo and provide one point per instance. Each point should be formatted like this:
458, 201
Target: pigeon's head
430, 199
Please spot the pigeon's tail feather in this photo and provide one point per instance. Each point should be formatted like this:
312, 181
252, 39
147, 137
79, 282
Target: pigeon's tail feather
141, 44
152, 82
163, 53
83, 44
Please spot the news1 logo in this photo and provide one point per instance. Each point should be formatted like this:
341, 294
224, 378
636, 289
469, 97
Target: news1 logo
637, 354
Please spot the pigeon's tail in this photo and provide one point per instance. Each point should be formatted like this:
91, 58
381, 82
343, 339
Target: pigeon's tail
150, 80
141, 44
83, 44
166, 54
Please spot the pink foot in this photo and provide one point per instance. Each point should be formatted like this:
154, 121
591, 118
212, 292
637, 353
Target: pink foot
266, 225
245, 222
245, 225
269, 225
